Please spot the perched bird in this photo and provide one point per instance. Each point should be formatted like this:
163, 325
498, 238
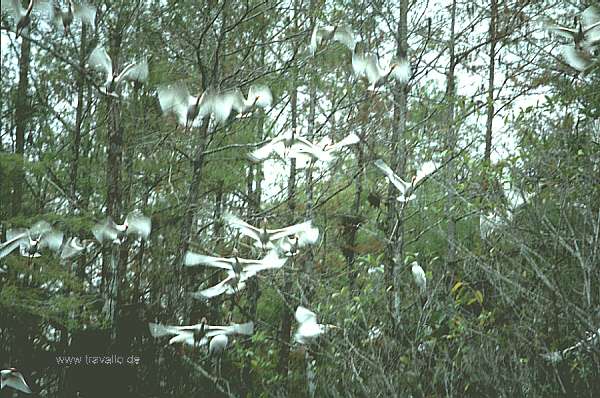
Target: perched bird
308, 330
135, 224
100, 61
14, 379
31, 241
74, 246
199, 334
368, 65
419, 276
488, 223
81, 11
341, 33
406, 189
22, 16
267, 238
241, 267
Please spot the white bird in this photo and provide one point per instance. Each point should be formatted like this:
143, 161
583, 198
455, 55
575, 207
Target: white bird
135, 224
31, 241
230, 285
217, 345
188, 109
488, 223
289, 145
308, 329
581, 60
13, 379
406, 189
586, 34
82, 11
22, 16
258, 96
419, 276
241, 267
326, 147
100, 61
368, 65
74, 246
557, 356
267, 238
340, 33
199, 334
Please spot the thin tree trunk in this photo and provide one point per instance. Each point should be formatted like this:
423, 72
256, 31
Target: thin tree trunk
76, 133
490, 93
22, 109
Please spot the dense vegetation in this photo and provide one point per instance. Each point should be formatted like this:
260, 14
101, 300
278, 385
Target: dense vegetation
490, 101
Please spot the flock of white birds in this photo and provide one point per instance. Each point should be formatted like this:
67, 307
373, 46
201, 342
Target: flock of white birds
277, 244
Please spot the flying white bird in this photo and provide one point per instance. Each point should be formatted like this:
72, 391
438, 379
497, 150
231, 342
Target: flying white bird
31, 241
199, 334
290, 145
241, 267
217, 345
81, 11
13, 379
135, 72
188, 109
258, 96
368, 65
406, 189
74, 246
586, 34
581, 60
230, 285
341, 33
325, 146
135, 224
22, 16
267, 238
419, 276
308, 329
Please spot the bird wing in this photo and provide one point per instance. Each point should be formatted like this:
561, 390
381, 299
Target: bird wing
291, 230
590, 17
425, 170
71, 248
52, 240
304, 147
575, 58
105, 231
344, 34
359, 63
138, 224
260, 95
16, 381
174, 99
14, 238
215, 290
100, 61
84, 12
40, 228
304, 315
372, 69
350, 139
158, 330
192, 259
309, 236
562, 31
242, 226
398, 182
263, 152
222, 104
401, 72
235, 99
270, 261
135, 72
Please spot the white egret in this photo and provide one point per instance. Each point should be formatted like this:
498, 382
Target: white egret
587, 31
240, 266
258, 96
199, 334
557, 356
74, 246
267, 238
135, 224
82, 11
419, 276
217, 345
230, 285
368, 65
100, 61
308, 329
290, 145
14, 379
580, 59
188, 109
340, 33
22, 16
31, 241
406, 189
326, 148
